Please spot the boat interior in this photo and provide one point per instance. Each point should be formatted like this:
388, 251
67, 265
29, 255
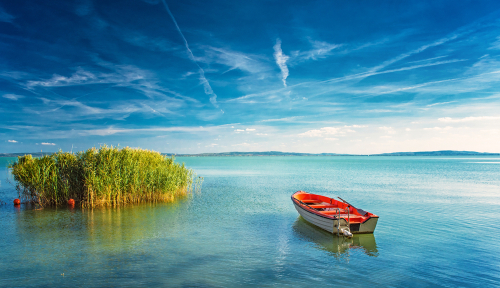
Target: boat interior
331, 207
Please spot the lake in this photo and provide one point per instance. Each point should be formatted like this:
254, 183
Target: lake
439, 226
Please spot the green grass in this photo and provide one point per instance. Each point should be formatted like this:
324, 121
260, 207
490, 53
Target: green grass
104, 176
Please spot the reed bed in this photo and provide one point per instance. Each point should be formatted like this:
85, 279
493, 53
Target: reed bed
104, 176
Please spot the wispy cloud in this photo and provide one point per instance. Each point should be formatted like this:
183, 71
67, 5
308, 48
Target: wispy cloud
49, 144
245, 130
439, 128
203, 79
150, 43
374, 72
281, 60
388, 130
320, 49
427, 59
13, 97
124, 74
285, 119
112, 130
12, 141
327, 131
235, 60
440, 103
469, 119
495, 45
6, 17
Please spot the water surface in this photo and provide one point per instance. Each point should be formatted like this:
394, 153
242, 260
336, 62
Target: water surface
438, 226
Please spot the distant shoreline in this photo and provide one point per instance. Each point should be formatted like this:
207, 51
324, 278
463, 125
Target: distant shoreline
277, 153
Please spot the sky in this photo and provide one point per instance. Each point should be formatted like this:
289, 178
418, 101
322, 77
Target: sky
333, 76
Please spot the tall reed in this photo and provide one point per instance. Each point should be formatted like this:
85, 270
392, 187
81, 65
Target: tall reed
104, 176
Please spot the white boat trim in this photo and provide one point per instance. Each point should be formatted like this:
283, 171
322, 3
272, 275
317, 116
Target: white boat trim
330, 223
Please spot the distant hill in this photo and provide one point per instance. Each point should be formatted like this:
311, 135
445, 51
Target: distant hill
36, 154
268, 153
278, 153
438, 153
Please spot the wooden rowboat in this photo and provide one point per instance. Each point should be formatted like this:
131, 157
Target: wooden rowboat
338, 217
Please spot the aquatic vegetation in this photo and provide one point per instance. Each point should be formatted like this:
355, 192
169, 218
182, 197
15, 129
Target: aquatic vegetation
104, 176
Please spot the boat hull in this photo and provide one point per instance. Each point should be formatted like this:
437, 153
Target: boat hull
329, 224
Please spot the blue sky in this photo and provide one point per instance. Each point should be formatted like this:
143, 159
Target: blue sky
357, 77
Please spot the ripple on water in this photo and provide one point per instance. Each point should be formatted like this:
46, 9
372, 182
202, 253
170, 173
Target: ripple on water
437, 227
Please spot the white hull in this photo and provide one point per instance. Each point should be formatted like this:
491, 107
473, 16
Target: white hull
330, 224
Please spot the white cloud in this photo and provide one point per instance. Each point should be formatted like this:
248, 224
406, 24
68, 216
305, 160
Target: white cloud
235, 60
408, 129
320, 132
242, 145
389, 130
327, 131
13, 97
286, 119
80, 77
12, 141
320, 50
50, 144
281, 60
244, 130
439, 128
112, 130
495, 45
469, 119
440, 103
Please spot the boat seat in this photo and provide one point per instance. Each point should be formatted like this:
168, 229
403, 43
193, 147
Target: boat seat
323, 206
311, 201
332, 212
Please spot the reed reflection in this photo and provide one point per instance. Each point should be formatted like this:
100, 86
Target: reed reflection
334, 245
106, 229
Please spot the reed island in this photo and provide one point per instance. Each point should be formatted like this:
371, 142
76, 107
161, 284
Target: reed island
107, 176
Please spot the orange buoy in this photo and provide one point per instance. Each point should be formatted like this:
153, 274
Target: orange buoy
17, 202
71, 202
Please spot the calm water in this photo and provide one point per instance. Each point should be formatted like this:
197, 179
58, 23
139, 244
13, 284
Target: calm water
439, 226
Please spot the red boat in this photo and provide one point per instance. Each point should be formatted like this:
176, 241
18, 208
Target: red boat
338, 217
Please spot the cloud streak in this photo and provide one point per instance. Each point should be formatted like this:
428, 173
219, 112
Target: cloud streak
327, 131
203, 80
469, 119
12, 97
281, 60
6, 17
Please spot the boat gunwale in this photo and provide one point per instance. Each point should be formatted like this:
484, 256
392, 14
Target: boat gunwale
317, 213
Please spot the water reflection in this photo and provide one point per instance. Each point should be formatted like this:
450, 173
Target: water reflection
335, 246
110, 229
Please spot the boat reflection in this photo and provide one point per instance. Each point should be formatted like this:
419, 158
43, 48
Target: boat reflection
336, 246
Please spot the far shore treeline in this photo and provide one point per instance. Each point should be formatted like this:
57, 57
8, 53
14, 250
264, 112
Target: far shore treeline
104, 176
278, 153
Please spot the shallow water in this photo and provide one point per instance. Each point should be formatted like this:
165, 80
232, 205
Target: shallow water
438, 226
